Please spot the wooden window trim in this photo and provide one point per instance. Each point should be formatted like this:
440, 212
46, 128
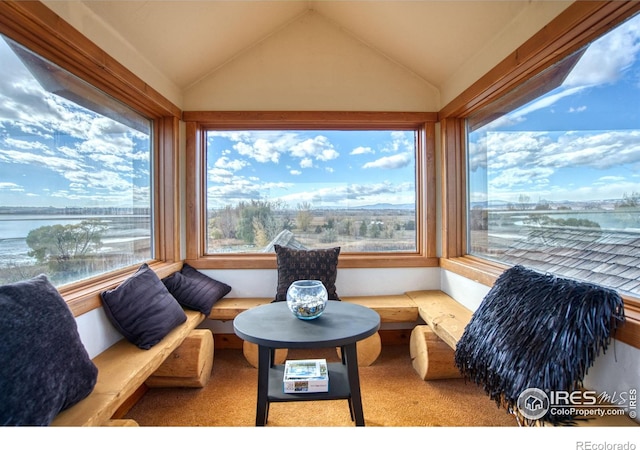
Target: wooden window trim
197, 122
37, 28
579, 24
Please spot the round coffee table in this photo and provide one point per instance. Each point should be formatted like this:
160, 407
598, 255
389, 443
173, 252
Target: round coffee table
273, 326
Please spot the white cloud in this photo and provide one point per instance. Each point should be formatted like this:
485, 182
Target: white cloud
390, 162
514, 176
601, 150
598, 150
6, 186
261, 150
219, 175
609, 179
231, 188
319, 148
577, 109
606, 59
231, 164
400, 142
54, 163
361, 151
25, 145
355, 194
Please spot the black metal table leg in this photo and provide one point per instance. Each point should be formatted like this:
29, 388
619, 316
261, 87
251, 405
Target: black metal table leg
351, 360
264, 363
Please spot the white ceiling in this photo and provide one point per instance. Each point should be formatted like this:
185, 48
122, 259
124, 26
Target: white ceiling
186, 40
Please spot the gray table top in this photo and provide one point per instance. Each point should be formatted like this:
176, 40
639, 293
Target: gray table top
273, 325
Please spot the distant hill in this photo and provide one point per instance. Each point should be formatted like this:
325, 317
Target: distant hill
378, 206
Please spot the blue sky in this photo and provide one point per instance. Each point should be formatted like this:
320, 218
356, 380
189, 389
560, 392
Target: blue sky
54, 153
322, 168
579, 142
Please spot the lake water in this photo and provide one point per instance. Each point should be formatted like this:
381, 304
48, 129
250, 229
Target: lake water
15, 228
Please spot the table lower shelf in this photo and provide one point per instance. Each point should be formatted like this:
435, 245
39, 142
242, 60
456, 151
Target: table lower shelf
338, 386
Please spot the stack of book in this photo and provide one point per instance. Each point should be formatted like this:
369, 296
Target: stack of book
305, 375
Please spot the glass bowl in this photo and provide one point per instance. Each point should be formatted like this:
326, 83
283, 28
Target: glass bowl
307, 299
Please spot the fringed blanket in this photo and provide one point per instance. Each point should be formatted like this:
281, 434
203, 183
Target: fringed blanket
536, 330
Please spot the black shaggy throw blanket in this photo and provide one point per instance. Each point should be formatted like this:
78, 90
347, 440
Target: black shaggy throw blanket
535, 330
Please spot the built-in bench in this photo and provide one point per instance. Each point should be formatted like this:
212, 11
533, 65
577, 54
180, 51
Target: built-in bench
183, 358
391, 308
432, 346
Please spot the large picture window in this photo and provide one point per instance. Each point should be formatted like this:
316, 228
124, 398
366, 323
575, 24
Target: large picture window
553, 167
361, 181
355, 189
75, 174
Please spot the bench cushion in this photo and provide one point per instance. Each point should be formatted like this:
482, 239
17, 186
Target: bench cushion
142, 308
44, 367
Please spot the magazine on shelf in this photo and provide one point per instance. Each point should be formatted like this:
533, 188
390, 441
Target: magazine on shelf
305, 375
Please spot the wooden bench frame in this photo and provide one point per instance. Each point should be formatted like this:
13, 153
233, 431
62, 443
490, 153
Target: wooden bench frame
391, 308
432, 346
123, 369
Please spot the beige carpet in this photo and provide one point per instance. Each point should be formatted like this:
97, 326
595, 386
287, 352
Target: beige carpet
392, 396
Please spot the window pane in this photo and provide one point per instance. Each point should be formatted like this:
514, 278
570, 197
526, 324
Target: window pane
74, 174
311, 189
554, 183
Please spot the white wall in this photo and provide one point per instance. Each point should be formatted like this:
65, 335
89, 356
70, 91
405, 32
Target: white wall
312, 65
349, 282
96, 331
320, 68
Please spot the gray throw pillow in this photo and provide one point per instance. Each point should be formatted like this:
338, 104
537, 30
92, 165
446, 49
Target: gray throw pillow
142, 308
195, 290
44, 367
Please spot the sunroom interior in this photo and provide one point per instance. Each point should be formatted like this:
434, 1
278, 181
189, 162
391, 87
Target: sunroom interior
437, 69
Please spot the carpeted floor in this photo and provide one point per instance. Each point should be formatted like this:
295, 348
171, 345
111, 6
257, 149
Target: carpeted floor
393, 396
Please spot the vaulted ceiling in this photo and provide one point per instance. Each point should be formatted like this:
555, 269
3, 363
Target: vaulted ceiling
189, 40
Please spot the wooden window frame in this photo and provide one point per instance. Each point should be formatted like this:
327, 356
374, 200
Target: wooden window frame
198, 122
579, 24
37, 28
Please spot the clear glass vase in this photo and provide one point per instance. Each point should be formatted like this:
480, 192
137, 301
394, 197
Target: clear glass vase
307, 299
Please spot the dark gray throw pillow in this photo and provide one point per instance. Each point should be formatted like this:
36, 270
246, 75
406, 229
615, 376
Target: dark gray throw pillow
44, 367
320, 264
195, 290
142, 308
